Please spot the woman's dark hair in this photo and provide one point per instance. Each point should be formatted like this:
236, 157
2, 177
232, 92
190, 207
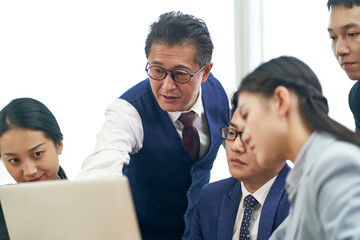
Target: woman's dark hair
176, 28
31, 114
298, 77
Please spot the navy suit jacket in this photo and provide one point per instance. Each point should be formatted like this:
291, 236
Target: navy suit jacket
216, 210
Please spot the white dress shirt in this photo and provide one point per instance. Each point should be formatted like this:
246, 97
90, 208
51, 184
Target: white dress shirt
122, 134
260, 195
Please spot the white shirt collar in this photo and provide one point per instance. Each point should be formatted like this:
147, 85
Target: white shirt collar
260, 194
197, 108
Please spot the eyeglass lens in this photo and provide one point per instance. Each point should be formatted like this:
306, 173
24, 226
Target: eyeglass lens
229, 134
159, 73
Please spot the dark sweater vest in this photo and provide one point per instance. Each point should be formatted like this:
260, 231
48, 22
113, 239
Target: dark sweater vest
165, 183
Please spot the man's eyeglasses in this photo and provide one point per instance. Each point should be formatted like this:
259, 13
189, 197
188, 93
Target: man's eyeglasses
180, 75
230, 133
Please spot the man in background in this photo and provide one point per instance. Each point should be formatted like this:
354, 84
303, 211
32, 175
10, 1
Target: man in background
221, 210
344, 31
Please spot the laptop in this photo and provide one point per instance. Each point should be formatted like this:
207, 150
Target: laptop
70, 210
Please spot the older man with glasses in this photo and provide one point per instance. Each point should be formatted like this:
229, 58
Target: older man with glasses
163, 133
249, 205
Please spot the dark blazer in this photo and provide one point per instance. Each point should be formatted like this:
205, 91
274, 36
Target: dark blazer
216, 210
354, 103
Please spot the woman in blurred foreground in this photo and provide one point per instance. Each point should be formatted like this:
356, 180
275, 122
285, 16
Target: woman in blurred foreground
287, 118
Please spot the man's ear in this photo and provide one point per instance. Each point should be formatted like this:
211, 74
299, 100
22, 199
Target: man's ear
207, 70
281, 98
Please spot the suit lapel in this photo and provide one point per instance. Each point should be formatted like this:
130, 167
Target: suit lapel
322, 141
228, 212
271, 203
297, 214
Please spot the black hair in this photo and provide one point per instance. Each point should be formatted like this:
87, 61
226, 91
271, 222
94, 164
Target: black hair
31, 114
345, 3
234, 103
176, 28
298, 77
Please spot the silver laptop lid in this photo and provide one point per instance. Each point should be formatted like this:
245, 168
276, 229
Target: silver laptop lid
70, 210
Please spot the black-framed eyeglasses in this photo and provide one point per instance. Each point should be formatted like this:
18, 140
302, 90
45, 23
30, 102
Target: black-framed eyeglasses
230, 133
180, 75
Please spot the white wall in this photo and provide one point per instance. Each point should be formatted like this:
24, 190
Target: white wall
76, 56
299, 28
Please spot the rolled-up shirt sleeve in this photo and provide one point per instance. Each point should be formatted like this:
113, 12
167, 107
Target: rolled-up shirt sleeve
121, 135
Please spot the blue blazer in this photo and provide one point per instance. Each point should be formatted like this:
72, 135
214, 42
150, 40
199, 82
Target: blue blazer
216, 210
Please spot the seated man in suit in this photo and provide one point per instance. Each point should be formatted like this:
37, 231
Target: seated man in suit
221, 206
